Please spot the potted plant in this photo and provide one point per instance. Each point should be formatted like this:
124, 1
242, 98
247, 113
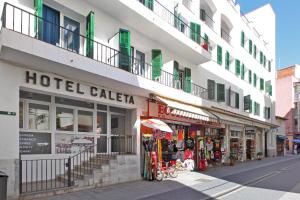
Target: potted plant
259, 155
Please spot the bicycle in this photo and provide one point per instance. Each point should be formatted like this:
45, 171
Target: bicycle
165, 172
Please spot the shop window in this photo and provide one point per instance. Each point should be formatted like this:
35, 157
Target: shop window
117, 124
38, 117
64, 119
101, 123
21, 114
101, 107
68, 143
117, 110
35, 96
72, 102
102, 144
85, 121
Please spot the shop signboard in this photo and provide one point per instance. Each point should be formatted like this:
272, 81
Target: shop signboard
35, 143
161, 111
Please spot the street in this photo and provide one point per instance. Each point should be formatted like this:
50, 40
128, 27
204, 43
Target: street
270, 178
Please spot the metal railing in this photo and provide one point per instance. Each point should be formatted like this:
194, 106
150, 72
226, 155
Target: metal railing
225, 35
38, 175
31, 25
174, 20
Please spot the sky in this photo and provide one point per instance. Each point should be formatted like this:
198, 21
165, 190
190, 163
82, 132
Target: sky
287, 28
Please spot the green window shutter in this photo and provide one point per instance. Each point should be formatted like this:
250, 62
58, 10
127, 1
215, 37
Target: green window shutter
125, 50
265, 112
270, 90
202, 14
256, 108
261, 58
90, 27
195, 32
250, 76
247, 102
237, 67
251, 107
187, 80
220, 92
38, 22
149, 4
250, 46
156, 63
269, 66
211, 89
254, 80
237, 100
254, 51
243, 72
219, 55
242, 39
269, 113
265, 61
227, 60
262, 84
176, 74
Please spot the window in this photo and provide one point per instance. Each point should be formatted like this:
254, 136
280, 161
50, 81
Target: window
71, 34
227, 60
64, 119
267, 112
101, 123
21, 114
117, 110
254, 51
250, 76
73, 102
85, 121
261, 57
237, 67
265, 60
254, 80
140, 57
38, 117
269, 66
243, 72
50, 25
242, 39
118, 132
237, 100
250, 47
211, 89
220, 92
247, 102
219, 55
256, 109
262, 84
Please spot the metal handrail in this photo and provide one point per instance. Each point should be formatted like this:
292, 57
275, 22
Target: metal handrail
101, 52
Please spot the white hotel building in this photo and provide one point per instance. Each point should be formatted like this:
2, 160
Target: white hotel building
81, 74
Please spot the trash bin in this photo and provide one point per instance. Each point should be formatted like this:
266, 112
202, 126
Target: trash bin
3, 186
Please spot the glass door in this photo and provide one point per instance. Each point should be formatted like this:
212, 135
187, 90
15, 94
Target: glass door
117, 138
102, 140
71, 34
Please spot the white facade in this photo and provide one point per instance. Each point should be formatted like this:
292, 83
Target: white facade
20, 52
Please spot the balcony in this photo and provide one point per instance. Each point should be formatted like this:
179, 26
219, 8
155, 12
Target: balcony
159, 24
225, 35
16, 21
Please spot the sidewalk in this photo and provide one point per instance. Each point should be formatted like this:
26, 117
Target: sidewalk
188, 185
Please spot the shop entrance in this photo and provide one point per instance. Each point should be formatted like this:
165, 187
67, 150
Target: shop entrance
250, 149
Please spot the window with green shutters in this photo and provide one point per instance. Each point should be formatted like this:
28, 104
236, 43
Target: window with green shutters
237, 67
254, 51
242, 39
256, 109
268, 87
265, 61
156, 63
227, 60
269, 66
261, 57
125, 50
38, 22
176, 74
270, 90
243, 72
250, 46
90, 27
220, 92
262, 84
202, 14
195, 32
211, 89
251, 107
250, 76
219, 55
187, 80
237, 100
267, 112
149, 4
247, 102
254, 80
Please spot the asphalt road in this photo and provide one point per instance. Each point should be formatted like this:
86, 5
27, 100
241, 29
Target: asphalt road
269, 179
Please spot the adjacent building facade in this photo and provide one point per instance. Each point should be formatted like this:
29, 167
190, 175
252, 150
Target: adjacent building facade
80, 75
287, 85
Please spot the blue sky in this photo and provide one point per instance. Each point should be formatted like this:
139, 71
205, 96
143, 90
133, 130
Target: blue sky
287, 28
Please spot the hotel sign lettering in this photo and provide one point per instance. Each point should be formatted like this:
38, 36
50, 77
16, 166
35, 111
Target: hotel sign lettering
75, 87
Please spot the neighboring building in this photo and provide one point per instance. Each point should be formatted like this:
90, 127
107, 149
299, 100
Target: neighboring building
288, 86
80, 75
281, 142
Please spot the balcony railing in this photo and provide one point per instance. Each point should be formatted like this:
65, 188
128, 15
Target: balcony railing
225, 35
24, 22
207, 19
175, 21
